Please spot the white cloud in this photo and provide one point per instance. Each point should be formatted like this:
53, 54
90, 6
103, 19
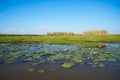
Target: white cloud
44, 28
13, 31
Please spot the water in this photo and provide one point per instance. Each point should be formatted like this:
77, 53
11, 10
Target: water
87, 70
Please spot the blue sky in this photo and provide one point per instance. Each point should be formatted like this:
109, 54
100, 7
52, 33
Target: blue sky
42, 16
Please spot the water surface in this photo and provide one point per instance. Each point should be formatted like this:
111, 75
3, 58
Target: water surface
54, 56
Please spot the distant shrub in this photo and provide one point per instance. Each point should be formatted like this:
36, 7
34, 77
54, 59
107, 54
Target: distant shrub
95, 33
60, 34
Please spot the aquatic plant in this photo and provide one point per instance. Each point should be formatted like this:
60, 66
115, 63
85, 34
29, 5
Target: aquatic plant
101, 65
37, 56
9, 61
30, 69
41, 71
96, 57
67, 64
28, 59
35, 63
78, 59
42, 61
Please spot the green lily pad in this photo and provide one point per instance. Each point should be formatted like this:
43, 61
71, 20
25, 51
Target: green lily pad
101, 65
37, 56
35, 63
28, 59
30, 69
9, 61
78, 59
67, 65
41, 71
111, 59
42, 61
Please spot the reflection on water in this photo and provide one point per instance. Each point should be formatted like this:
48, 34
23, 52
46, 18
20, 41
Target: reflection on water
90, 63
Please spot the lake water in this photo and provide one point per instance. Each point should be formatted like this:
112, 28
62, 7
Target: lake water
16, 59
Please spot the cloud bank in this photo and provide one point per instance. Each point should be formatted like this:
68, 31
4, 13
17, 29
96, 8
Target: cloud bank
12, 30
41, 29
44, 29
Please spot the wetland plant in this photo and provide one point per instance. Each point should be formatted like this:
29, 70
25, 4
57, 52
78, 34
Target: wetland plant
67, 64
41, 71
30, 69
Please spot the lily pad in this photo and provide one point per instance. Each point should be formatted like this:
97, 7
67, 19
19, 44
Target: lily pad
111, 59
35, 63
28, 59
78, 60
101, 65
42, 61
9, 61
67, 65
41, 71
30, 69
37, 56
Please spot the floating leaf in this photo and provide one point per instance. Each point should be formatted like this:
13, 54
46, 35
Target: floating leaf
30, 69
9, 61
35, 63
28, 59
101, 65
42, 61
41, 71
67, 65
37, 56
111, 59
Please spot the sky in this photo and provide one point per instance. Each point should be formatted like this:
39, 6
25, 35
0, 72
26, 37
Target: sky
42, 16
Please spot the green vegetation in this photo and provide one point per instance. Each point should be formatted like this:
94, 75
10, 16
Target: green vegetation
89, 48
69, 55
61, 34
9, 61
96, 33
41, 71
101, 65
67, 65
30, 69
86, 41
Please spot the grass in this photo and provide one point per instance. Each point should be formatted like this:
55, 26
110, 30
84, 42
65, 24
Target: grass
87, 41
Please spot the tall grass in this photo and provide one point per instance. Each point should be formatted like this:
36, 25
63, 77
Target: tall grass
60, 34
96, 33
71, 40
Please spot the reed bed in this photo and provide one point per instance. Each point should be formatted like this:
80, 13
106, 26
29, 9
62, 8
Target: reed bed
63, 40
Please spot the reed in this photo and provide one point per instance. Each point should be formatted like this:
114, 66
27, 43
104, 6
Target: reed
64, 40
96, 33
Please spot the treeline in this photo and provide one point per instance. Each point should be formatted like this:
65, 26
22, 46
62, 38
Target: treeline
60, 34
95, 33
86, 33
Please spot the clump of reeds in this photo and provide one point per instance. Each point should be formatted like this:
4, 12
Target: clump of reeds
96, 33
60, 34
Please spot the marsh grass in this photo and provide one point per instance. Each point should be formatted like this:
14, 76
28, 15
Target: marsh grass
86, 41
